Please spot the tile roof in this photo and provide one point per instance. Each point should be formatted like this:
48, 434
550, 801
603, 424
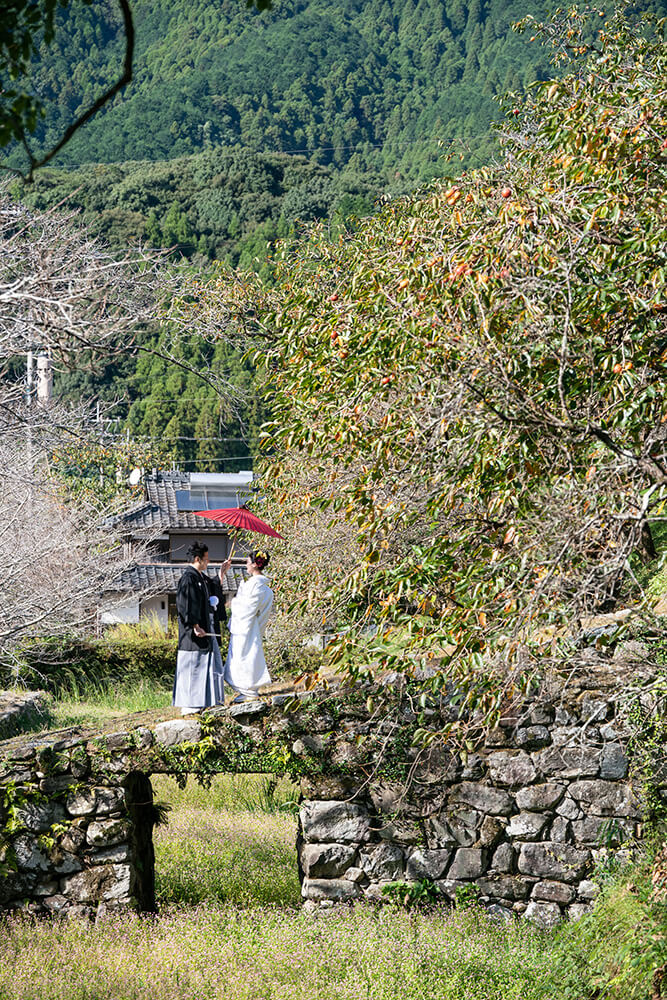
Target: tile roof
159, 508
151, 576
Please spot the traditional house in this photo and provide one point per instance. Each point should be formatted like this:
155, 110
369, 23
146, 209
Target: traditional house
166, 524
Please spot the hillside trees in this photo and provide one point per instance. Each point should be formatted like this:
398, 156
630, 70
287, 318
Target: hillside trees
223, 203
24, 26
475, 379
383, 81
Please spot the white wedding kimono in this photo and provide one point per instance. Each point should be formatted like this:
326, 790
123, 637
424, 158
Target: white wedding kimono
245, 667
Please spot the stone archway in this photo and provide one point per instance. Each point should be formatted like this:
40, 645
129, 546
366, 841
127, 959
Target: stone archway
520, 819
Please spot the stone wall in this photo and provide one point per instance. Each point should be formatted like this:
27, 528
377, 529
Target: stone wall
518, 823
523, 819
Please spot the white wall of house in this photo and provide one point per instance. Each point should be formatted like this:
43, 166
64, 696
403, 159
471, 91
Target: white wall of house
157, 606
122, 614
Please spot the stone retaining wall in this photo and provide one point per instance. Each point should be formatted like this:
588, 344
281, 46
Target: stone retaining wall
519, 823
523, 819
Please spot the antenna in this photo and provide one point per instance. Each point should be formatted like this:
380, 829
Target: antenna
135, 477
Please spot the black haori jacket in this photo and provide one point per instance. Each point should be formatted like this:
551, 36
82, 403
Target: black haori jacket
193, 609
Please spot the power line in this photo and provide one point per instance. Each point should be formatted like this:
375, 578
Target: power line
176, 437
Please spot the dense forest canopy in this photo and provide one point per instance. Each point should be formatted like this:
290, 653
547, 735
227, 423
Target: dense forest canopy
375, 85
223, 203
359, 94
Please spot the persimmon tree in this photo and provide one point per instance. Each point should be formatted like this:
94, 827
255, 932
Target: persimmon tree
475, 378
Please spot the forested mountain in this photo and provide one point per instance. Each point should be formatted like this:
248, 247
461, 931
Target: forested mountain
371, 83
240, 124
223, 203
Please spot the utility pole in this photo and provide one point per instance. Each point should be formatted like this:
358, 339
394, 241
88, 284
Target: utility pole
44, 380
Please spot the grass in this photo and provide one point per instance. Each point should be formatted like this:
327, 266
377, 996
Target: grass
234, 842
92, 703
215, 951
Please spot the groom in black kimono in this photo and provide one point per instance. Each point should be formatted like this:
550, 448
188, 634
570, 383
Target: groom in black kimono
199, 676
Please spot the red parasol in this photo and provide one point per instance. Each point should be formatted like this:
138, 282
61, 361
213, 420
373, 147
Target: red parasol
240, 517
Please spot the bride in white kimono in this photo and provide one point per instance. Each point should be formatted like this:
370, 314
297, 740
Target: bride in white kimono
245, 667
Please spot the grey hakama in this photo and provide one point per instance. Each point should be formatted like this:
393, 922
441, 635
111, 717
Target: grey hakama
199, 671
245, 666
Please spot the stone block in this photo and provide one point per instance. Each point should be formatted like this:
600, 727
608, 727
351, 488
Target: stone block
526, 826
246, 710
17, 885
175, 731
326, 786
56, 784
533, 737
105, 832
46, 888
504, 858
588, 890
468, 863
569, 808
82, 802
119, 888
438, 833
541, 715
613, 762
554, 892
558, 862
449, 887
39, 817
560, 830
482, 797
354, 875
594, 709
539, 797
119, 741
491, 831
382, 863
463, 823
427, 864
578, 910
334, 822
29, 856
565, 736
504, 887
110, 855
88, 886
56, 903
326, 860
400, 831
65, 863
605, 798
144, 737
510, 769
474, 767
336, 889
109, 800
73, 839
374, 892
498, 912
568, 762
587, 831
544, 915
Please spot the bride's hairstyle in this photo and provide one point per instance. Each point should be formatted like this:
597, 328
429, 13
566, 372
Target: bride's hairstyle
260, 558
